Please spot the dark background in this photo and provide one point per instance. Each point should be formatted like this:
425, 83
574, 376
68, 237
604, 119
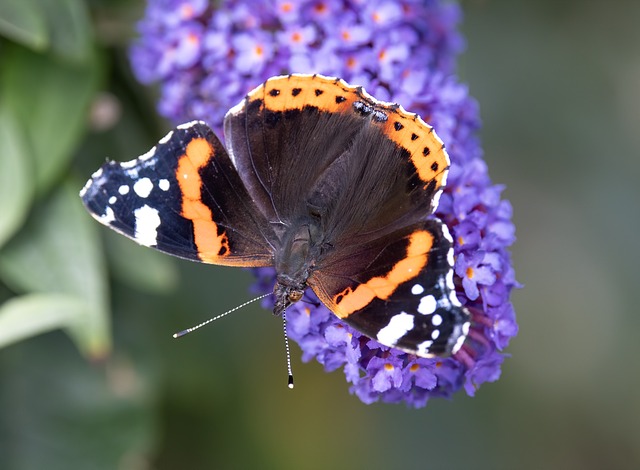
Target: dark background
558, 84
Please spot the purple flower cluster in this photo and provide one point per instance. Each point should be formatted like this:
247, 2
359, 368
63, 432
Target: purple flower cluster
207, 59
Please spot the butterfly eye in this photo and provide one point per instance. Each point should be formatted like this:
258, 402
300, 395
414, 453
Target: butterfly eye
295, 295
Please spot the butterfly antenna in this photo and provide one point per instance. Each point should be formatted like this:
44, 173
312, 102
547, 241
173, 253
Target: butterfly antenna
193, 328
286, 345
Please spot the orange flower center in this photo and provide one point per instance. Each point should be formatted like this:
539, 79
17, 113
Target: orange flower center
388, 367
320, 7
187, 11
193, 38
470, 272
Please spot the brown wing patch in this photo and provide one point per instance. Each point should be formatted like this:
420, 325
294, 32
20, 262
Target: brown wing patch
334, 95
211, 245
353, 299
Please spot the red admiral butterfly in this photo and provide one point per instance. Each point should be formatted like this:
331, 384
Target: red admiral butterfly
319, 180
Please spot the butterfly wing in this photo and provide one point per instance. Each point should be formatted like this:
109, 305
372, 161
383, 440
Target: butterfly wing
368, 174
184, 197
398, 290
307, 144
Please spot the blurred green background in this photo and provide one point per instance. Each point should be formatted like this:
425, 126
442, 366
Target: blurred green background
559, 88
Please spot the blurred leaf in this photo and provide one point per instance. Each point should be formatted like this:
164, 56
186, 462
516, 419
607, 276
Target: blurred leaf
29, 315
70, 29
61, 413
15, 183
136, 265
51, 100
24, 22
59, 251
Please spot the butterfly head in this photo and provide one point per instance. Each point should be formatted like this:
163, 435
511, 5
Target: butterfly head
286, 295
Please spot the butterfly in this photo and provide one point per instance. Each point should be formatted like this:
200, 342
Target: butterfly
333, 188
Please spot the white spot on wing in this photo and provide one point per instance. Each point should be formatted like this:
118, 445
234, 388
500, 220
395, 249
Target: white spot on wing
445, 174
143, 187
147, 222
124, 189
164, 184
453, 298
423, 348
427, 305
148, 155
446, 233
461, 338
417, 289
166, 138
85, 188
436, 320
398, 326
435, 334
449, 279
450, 259
112, 200
108, 216
129, 164
187, 125
435, 202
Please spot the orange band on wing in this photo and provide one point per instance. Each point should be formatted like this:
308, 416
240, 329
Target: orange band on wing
426, 150
405, 129
351, 300
210, 245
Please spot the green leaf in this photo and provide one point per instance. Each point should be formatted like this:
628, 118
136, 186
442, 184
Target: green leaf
15, 182
51, 101
29, 315
146, 269
24, 22
62, 413
59, 251
70, 28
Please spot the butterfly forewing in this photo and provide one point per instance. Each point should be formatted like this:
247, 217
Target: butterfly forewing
185, 198
309, 143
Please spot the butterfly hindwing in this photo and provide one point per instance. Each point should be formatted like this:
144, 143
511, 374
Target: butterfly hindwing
183, 197
399, 290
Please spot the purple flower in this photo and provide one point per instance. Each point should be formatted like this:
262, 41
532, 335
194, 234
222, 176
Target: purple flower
487, 369
474, 271
382, 14
252, 51
297, 37
207, 58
